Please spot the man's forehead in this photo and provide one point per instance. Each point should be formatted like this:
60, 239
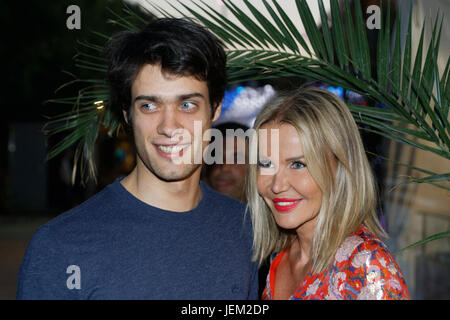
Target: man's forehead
150, 75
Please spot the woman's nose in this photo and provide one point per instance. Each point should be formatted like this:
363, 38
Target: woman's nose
279, 182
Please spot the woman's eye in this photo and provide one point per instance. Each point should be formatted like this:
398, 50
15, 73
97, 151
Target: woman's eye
265, 164
149, 106
187, 105
298, 165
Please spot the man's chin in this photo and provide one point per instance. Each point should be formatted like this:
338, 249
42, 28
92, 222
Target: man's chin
175, 175
167, 170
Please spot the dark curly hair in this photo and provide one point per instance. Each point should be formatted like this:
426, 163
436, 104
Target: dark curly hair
180, 46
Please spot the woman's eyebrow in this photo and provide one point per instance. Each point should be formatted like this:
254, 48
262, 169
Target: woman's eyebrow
295, 158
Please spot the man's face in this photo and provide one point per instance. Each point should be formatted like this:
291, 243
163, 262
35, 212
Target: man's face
164, 107
229, 178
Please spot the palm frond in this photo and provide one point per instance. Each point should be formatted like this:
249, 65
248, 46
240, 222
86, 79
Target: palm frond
433, 237
430, 174
409, 96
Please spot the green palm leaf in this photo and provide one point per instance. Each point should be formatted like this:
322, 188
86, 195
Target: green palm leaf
427, 239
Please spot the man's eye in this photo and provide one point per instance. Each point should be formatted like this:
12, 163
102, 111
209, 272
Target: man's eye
265, 164
187, 105
298, 165
148, 107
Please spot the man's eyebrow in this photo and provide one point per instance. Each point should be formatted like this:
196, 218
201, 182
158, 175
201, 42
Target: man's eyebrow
148, 98
191, 95
180, 97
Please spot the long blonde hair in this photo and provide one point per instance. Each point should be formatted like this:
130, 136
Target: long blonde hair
325, 126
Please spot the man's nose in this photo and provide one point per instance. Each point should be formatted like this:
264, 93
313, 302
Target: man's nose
168, 124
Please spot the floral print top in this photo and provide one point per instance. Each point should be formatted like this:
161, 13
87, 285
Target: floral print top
363, 269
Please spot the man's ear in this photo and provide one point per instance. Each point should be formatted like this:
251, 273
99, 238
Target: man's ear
125, 116
217, 112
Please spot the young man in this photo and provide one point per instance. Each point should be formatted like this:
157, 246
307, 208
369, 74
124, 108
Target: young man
158, 233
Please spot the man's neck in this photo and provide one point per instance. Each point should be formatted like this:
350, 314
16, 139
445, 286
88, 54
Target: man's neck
178, 196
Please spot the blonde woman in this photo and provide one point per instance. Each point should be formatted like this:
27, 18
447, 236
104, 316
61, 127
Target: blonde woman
312, 199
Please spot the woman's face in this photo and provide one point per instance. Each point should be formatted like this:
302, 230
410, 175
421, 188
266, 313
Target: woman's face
284, 180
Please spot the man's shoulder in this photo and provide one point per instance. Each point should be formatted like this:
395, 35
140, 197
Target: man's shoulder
220, 197
86, 213
227, 213
223, 201
68, 237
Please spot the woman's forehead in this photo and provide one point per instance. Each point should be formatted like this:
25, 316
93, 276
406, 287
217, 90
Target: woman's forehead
280, 139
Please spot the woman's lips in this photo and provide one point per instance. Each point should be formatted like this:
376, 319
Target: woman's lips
285, 204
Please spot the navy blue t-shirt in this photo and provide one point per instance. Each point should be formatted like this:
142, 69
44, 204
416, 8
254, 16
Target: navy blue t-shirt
114, 246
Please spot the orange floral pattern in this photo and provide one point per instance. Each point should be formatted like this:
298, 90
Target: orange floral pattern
363, 269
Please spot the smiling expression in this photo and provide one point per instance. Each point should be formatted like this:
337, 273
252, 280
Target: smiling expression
164, 109
284, 181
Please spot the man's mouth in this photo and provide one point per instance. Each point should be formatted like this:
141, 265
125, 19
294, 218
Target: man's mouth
171, 151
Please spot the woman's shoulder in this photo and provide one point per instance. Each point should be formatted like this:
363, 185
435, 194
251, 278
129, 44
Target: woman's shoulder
373, 271
358, 241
